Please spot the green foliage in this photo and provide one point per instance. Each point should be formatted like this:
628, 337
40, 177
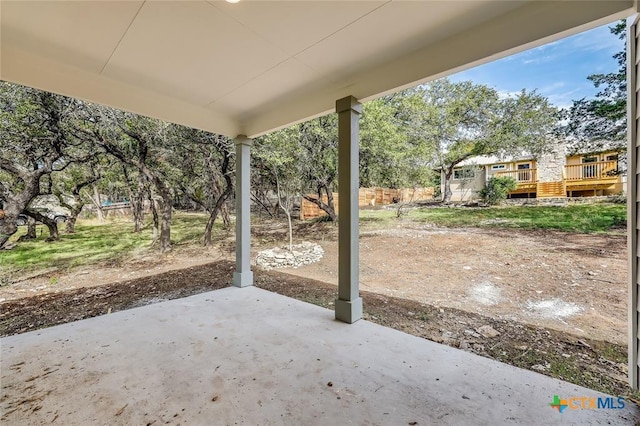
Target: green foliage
305, 156
390, 156
37, 139
601, 122
94, 243
202, 166
463, 120
497, 189
31, 124
585, 218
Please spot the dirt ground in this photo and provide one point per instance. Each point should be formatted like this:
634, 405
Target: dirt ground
569, 282
549, 301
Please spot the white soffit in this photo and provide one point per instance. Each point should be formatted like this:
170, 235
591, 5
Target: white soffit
256, 66
82, 34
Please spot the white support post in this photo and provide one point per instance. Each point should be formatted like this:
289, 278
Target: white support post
243, 276
349, 303
633, 176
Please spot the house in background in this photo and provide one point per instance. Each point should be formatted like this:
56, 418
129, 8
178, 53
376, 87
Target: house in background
553, 175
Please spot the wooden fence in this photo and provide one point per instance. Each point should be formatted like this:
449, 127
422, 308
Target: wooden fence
370, 197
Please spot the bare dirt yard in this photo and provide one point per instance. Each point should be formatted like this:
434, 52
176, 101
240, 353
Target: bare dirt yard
574, 283
548, 301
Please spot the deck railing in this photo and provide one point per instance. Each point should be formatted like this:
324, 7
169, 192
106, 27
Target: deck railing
521, 175
592, 171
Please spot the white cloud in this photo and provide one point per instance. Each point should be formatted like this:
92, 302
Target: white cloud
546, 46
532, 61
563, 99
596, 40
552, 87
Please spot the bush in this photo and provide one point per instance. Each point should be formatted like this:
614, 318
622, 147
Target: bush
497, 189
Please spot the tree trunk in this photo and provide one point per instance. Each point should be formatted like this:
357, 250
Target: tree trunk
165, 226
166, 206
137, 205
221, 203
52, 225
70, 227
31, 231
286, 207
136, 199
226, 217
14, 206
260, 200
327, 207
446, 194
8, 227
98, 203
54, 234
331, 209
221, 206
78, 203
290, 230
156, 221
209, 228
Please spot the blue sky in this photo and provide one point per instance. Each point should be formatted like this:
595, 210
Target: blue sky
557, 70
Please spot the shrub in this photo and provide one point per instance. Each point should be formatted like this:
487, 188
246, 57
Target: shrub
497, 189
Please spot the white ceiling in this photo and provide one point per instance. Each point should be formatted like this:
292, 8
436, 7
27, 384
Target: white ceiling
255, 66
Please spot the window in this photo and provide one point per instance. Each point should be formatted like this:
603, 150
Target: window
498, 166
459, 174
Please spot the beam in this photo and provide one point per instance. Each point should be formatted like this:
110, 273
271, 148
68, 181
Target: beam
349, 303
243, 277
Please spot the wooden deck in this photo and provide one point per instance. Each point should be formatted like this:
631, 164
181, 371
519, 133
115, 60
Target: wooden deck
601, 176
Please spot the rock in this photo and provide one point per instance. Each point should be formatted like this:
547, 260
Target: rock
471, 333
464, 345
301, 254
538, 367
488, 331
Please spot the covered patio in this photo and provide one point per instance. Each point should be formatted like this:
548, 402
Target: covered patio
243, 70
249, 356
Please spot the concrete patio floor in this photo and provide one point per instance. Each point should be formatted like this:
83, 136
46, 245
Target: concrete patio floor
248, 356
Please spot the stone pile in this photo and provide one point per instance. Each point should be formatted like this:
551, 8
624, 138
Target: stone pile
301, 254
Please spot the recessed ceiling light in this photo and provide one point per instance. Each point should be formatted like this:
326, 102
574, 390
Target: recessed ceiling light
232, 1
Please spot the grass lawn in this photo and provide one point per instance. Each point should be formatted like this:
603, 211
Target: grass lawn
113, 241
95, 242
583, 218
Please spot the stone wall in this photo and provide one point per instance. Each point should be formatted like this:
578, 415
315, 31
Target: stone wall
617, 199
551, 165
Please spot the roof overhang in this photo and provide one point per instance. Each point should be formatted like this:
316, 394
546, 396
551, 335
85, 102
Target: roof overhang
256, 66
